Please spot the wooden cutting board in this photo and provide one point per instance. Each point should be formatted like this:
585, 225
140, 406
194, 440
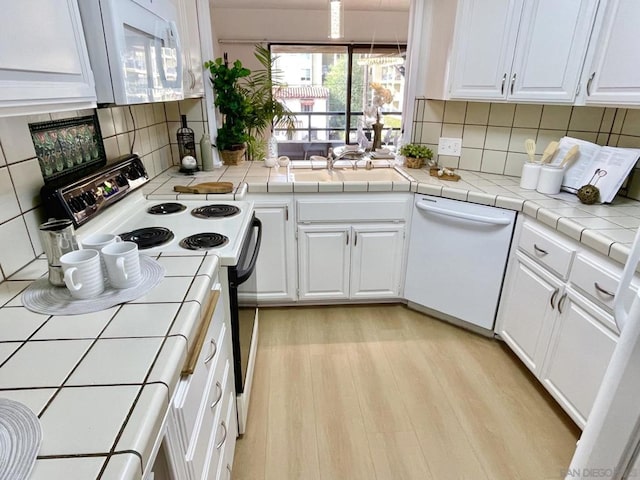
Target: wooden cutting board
206, 187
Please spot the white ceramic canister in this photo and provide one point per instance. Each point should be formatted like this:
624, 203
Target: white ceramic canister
550, 179
530, 175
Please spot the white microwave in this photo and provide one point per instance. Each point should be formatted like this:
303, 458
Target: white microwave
134, 49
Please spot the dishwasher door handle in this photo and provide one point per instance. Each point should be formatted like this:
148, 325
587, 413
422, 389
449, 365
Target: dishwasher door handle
464, 216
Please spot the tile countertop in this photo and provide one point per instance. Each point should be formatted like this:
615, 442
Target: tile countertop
608, 229
101, 382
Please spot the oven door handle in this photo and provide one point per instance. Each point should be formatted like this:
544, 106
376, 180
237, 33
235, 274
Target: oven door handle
243, 275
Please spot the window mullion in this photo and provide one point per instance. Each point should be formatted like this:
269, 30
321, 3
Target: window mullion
347, 127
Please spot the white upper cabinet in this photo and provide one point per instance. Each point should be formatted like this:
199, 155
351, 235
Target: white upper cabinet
484, 44
192, 69
612, 75
520, 51
44, 65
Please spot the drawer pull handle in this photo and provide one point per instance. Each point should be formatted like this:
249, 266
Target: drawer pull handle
602, 290
224, 436
217, 400
561, 302
504, 79
213, 353
553, 297
539, 250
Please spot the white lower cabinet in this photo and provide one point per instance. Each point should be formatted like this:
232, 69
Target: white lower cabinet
376, 261
350, 262
324, 261
562, 335
529, 310
578, 355
275, 271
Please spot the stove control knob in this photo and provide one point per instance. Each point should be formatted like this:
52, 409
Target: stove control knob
89, 198
121, 180
77, 204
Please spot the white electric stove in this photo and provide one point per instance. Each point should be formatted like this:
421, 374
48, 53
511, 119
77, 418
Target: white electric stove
168, 232
110, 201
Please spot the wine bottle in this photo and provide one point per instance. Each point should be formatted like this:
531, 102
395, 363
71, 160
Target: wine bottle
186, 140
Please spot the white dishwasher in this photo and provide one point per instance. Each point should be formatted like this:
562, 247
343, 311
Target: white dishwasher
457, 258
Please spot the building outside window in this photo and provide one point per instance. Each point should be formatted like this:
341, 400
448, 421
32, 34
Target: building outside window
329, 90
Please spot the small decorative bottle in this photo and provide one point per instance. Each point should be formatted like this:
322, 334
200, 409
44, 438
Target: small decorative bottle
272, 150
206, 153
186, 140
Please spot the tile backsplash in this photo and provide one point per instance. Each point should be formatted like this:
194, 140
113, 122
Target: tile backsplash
148, 130
493, 134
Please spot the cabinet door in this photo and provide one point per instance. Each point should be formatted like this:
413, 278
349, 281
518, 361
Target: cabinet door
578, 357
485, 39
275, 268
45, 67
192, 82
552, 43
376, 261
528, 311
614, 75
323, 261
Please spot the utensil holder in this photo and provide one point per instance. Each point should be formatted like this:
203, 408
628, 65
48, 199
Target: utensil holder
530, 175
550, 180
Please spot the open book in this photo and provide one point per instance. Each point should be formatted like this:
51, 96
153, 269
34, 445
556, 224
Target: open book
605, 167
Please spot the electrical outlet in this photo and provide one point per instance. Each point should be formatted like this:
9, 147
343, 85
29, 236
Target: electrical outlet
450, 146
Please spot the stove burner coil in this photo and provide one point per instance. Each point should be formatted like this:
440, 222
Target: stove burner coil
215, 211
148, 237
203, 241
166, 208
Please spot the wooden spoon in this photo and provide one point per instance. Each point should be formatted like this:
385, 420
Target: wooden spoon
530, 147
549, 152
570, 156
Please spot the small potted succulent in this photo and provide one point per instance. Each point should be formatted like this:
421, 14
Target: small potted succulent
415, 154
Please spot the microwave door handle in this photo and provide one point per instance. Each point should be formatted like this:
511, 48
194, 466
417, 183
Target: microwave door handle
243, 275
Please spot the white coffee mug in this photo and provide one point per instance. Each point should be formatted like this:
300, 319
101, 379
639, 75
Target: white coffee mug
123, 264
99, 240
83, 273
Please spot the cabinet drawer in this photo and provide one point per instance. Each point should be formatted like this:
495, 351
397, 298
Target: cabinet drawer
192, 389
228, 448
209, 410
332, 209
548, 249
596, 282
221, 430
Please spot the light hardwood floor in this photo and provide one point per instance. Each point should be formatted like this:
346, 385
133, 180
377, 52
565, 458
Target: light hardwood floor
385, 393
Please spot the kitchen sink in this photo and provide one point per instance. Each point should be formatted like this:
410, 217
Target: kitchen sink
347, 175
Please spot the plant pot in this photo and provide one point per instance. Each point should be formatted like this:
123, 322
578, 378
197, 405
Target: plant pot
413, 162
233, 157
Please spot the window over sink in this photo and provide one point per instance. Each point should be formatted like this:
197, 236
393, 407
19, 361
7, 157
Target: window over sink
333, 89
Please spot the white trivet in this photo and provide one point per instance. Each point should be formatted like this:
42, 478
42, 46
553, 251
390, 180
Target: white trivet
20, 438
42, 297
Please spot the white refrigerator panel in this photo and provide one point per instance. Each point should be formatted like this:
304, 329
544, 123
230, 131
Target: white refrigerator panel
457, 257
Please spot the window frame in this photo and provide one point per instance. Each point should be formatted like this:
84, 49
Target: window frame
351, 49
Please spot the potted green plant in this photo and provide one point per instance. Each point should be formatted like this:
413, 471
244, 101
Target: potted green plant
266, 111
234, 106
246, 100
415, 154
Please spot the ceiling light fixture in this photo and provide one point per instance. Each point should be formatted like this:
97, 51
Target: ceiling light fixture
336, 11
